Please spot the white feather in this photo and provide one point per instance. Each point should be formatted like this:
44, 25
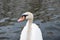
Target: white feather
34, 33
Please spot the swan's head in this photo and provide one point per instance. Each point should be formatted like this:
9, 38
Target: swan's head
27, 16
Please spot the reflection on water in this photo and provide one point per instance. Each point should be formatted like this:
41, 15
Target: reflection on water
10, 29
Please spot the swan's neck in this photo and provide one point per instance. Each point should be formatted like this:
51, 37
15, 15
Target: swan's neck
29, 23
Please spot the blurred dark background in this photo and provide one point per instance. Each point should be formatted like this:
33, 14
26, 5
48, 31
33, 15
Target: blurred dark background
46, 15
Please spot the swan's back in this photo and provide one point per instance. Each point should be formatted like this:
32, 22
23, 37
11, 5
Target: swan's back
35, 33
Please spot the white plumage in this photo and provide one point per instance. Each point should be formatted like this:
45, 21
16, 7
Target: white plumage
31, 31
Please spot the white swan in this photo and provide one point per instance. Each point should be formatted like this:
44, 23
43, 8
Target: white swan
31, 31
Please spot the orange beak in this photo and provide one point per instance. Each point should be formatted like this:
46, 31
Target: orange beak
21, 19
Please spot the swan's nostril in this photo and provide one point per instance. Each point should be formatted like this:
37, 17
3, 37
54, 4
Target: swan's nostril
21, 19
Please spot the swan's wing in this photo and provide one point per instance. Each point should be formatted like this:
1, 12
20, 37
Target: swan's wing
23, 34
36, 33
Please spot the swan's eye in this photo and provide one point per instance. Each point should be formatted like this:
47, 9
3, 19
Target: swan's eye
24, 15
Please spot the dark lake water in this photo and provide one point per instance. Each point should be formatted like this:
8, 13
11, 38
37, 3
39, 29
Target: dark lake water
11, 29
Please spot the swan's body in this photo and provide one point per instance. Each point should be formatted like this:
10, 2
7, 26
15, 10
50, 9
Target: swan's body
31, 31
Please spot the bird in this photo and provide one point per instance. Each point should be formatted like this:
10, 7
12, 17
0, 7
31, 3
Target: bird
31, 31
